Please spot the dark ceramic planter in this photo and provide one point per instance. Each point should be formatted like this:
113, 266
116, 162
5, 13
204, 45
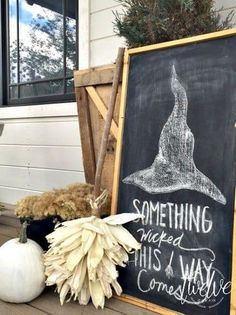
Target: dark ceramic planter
38, 229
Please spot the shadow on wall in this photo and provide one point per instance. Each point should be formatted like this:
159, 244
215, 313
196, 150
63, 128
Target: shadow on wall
1, 128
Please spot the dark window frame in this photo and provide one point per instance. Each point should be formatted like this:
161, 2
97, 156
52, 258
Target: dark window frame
1, 59
5, 65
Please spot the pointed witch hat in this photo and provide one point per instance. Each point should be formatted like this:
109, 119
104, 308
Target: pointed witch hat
174, 168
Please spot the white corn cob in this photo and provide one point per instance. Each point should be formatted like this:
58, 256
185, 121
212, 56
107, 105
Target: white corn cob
83, 256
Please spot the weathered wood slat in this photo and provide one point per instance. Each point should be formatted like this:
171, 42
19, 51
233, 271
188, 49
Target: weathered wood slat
91, 310
97, 127
86, 136
101, 108
19, 309
125, 308
97, 84
104, 92
12, 222
94, 76
9, 222
49, 302
9, 231
108, 123
148, 306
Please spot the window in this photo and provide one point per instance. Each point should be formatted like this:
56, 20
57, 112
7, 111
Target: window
41, 50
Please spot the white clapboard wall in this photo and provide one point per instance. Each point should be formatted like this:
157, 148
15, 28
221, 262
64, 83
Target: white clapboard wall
103, 42
39, 150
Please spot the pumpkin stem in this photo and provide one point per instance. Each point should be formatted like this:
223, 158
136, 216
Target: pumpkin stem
23, 235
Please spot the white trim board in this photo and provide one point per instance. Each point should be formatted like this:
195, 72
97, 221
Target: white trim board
44, 157
36, 111
61, 133
84, 34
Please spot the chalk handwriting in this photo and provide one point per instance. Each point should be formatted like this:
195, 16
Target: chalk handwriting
165, 255
169, 215
190, 292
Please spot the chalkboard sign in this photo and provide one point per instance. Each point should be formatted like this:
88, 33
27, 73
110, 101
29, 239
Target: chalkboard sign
175, 165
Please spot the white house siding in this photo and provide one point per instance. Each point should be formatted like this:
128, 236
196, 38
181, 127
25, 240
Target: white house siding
39, 150
103, 41
40, 145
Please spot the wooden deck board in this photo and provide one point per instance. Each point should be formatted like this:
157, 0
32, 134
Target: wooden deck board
9, 231
91, 310
125, 308
9, 218
48, 303
19, 309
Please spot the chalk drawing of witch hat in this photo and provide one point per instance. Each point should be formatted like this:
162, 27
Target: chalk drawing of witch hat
174, 168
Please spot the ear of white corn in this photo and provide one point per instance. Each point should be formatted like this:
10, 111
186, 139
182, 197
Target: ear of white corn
122, 218
97, 294
83, 256
74, 258
94, 257
84, 294
63, 292
124, 237
79, 276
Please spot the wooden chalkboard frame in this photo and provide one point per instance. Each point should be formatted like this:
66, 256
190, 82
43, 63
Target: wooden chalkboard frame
134, 51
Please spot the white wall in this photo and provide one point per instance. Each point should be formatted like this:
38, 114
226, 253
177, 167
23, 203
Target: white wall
40, 145
99, 43
39, 150
103, 42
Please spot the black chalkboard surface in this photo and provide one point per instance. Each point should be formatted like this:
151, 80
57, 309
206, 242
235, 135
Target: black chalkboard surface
177, 168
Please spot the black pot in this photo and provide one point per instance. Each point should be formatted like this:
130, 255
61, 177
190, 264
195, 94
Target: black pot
38, 229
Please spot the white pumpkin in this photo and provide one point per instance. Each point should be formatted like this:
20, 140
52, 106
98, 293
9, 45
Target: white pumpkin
22, 276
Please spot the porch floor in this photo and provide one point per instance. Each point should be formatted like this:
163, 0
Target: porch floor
48, 303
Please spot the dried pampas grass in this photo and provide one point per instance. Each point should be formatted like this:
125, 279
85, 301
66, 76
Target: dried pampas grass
83, 255
68, 203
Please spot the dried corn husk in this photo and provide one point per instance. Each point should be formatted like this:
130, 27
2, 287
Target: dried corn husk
83, 255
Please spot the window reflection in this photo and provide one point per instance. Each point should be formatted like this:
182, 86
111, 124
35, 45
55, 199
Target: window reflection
37, 46
13, 41
13, 92
42, 88
41, 41
70, 85
70, 46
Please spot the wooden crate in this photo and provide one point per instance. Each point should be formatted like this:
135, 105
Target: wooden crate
93, 91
